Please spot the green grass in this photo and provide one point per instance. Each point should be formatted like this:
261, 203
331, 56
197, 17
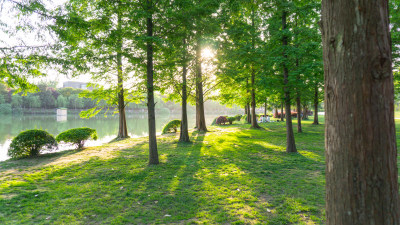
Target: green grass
230, 175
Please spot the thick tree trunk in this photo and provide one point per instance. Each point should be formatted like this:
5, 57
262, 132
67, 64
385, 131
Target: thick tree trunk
184, 135
298, 103
316, 122
122, 131
153, 152
290, 143
200, 118
282, 111
360, 138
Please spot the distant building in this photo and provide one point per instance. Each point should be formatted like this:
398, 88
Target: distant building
76, 84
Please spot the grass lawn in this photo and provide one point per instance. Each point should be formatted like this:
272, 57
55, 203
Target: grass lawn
230, 175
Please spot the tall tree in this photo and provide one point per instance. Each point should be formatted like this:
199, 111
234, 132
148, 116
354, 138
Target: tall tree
153, 152
95, 37
360, 139
290, 143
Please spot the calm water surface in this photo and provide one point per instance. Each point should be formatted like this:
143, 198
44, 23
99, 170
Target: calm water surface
107, 127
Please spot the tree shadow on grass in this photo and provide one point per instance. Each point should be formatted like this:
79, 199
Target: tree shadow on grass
207, 181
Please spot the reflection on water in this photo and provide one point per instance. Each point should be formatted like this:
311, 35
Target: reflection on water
107, 127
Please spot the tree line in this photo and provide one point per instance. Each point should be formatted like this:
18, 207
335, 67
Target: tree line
267, 52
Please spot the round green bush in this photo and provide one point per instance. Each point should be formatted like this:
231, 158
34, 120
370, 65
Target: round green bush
30, 142
238, 117
171, 126
77, 136
221, 120
231, 119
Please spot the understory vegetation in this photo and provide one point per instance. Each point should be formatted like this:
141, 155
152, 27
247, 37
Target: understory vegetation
230, 175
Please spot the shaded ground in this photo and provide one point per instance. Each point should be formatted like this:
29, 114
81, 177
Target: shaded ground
231, 175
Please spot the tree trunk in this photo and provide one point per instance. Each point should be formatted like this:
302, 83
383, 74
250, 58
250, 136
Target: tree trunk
248, 113
298, 102
153, 153
265, 108
122, 131
253, 102
360, 138
290, 143
305, 112
248, 117
316, 105
253, 76
184, 135
200, 118
282, 111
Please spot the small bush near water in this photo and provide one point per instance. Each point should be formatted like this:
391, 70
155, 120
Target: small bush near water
221, 120
238, 117
77, 136
30, 142
171, 126
231, 119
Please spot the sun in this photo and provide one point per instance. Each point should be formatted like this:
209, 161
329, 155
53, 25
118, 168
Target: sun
207, 53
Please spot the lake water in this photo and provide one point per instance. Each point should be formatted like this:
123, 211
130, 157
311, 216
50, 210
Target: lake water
107, 127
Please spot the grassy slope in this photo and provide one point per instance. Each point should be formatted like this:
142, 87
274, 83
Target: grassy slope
231, 175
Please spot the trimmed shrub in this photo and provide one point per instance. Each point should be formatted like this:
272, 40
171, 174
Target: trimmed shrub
221, 120
231, 119
171, 126
77, 136
238, 117
30, 142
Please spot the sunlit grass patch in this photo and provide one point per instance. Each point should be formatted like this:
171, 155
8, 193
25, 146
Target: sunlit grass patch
230, 175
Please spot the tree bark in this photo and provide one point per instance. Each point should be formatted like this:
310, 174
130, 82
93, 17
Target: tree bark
265, 108
282, 118
248, 118
184, 135
360, 138
253, 76
298, 102
253, 102
290, 143
200, 118
122, 131
153, 152
316, 122
305, 112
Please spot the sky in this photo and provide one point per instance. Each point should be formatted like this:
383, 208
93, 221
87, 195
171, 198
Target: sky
11, 20
25, 38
